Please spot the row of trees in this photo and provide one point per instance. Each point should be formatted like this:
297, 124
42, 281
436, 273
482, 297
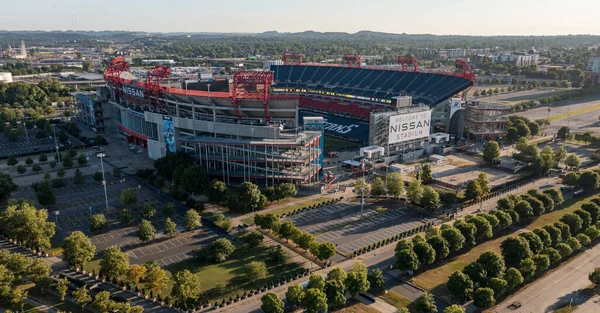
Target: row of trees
587, 180
15, 269
543, 161
289, 231
526, 255
531, 204
250, 197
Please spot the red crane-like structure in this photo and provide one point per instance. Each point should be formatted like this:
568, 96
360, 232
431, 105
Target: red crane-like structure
252, 85
114, 69
353, 60
292, 58
467, 72
152, 87
406, 61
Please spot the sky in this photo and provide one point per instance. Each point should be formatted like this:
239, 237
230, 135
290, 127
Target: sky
442, 17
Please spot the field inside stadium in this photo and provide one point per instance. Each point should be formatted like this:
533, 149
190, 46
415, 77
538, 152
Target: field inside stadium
337, 144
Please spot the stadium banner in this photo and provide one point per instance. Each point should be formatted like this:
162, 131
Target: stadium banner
133, 91
404, 127
169, 134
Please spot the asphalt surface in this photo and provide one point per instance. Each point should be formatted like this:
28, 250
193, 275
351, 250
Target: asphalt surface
343, 224
557, 288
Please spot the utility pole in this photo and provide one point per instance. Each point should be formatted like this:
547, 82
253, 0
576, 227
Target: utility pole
55, 143
102, 155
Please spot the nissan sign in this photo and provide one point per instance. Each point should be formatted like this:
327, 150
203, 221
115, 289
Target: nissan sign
134, 92
409, 126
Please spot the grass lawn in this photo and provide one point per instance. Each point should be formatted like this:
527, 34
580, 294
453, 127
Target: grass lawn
231, 272
53, 301
561, 116
357, 307
434, 280
334, 144
249, 220
398, 301
567, 309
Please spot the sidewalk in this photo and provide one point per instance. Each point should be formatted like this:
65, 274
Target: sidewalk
378, 305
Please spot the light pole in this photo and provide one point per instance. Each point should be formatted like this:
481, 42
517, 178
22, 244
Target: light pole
55, 143
362, 189
102, 155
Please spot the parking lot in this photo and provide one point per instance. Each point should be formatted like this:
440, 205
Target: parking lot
32, 145
342, 225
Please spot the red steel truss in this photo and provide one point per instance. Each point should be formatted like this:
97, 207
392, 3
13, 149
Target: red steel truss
251, 85
353, 60
292, 58
467, 70
406, 61
152, 86
114, 69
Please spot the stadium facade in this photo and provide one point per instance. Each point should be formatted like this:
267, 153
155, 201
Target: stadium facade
249, 127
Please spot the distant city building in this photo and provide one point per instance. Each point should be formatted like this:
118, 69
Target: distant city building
443, 54
158, 62
5, 77
516, 58
593, 70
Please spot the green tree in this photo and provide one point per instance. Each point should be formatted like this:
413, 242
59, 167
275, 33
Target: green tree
186, 288
78, 249
560, 154
572, 161
573, 221
170, 227
535, 242
430, 199
426, 304
7, 186
454, 238
255, 271
288, 231
82, 296
564, 250
82, 160
440, 245
527, 268
484, 298
62, 285
125, 216
361, 185
473, 190
491, 153
157, 280
455, 308
574, 243
376, 279
128, 197
524, 209
148, 211
425, 252
594, 276
28, 225
169, 209
377, 188
498, 285
589, 180
314, 301
476, 273
316, 281
514, 249
114, 262
192, 220
493, 263
337, 274
542, 262
426, 175
395, 184
335, 292
102, 302
12, 161
146, 231
357, 282
136, 273
415, 191
325, 250
305, 240
460, 285
251, 197
253, 238
271, 303
513, 277
222, 248
468, 230
21, 169
98, 221
294, 294
217, 191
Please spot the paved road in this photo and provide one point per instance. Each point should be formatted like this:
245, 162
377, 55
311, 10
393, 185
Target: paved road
557, 288
582, 122
590, 306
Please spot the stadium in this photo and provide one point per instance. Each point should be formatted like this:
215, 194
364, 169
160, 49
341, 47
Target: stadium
268, 126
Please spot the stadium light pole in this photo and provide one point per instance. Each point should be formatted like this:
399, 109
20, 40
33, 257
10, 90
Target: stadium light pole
362, 189
102, 155
55, 143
